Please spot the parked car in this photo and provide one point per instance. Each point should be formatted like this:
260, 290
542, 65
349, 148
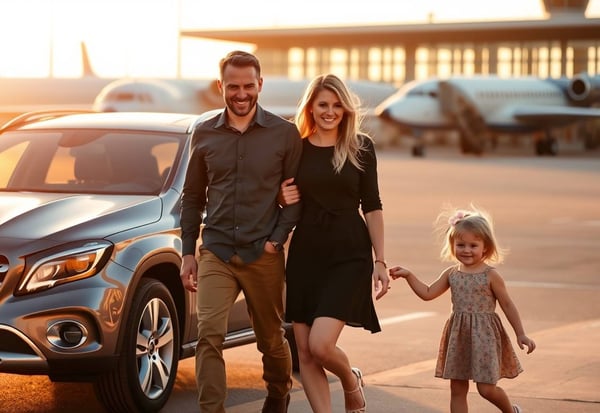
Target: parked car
90, 252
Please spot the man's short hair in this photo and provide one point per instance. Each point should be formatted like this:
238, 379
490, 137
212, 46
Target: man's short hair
239, 58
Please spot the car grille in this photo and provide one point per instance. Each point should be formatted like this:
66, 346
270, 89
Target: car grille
11, 343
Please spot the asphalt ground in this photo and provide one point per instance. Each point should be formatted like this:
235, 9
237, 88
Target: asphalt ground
547, 214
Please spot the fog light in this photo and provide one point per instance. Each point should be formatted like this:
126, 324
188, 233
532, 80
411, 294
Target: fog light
67, 334
71, 333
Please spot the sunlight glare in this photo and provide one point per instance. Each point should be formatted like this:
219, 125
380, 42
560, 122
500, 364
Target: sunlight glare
139, 38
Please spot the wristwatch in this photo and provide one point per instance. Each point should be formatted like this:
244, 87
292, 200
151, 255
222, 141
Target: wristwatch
277, 245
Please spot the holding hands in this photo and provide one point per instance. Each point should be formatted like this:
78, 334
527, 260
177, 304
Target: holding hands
432, 291
399, 272
381, 281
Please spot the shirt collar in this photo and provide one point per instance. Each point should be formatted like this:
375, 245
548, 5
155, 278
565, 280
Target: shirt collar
259, 118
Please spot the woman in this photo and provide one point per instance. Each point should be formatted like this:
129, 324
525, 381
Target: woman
330, 261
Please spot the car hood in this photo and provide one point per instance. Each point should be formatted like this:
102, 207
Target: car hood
36, 216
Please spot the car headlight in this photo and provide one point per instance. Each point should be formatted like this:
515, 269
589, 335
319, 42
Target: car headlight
46, 271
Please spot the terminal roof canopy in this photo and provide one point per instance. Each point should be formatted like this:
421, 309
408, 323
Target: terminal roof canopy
397, 34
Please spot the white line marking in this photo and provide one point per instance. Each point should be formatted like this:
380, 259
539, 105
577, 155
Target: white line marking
566, 286
406, 317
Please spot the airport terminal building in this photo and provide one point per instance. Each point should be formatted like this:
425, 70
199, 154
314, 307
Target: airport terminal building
563, 44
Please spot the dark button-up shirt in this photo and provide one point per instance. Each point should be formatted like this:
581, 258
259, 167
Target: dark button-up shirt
234, 177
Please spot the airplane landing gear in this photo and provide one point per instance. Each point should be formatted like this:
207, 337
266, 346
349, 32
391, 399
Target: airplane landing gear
546, 146
418, 151
590, 141
470, 144
418, 148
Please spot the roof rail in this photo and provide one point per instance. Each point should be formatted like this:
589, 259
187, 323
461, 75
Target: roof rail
36, 116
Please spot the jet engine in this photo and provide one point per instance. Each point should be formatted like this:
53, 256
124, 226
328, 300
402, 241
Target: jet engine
584, 90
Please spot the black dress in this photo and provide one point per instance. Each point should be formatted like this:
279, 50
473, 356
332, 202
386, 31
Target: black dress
330, 261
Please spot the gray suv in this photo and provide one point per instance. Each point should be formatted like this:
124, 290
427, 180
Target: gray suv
90, 252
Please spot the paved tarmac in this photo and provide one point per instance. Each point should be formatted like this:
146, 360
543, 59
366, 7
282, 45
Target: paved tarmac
547, 213
563, 374
568, 355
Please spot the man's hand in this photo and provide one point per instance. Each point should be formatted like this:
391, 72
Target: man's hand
189, 273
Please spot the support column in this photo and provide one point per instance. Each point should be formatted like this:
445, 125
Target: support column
410, 61
493, 59
477, 59
580, 59
274, 62
363, 62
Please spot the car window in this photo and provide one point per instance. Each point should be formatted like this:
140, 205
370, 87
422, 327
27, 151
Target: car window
9, 159
87, 161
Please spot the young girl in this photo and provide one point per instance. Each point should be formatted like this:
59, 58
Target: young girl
474, 344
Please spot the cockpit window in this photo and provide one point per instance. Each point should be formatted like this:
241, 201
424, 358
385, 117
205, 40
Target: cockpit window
423, 92
120, 96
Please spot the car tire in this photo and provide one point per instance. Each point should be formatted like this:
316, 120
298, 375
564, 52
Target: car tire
146, 372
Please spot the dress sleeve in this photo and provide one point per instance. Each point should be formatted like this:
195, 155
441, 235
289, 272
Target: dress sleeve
369, 187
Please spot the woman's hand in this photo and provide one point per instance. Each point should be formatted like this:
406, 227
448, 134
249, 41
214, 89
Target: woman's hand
381, 280
288, 193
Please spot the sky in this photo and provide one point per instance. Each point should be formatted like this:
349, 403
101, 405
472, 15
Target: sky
139, 38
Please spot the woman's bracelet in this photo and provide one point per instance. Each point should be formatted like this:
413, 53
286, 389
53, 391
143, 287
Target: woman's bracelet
383, 262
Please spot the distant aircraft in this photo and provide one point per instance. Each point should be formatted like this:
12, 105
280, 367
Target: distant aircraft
479, 106
19, 95
279, 95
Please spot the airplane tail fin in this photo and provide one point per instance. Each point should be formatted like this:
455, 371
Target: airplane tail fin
88, 71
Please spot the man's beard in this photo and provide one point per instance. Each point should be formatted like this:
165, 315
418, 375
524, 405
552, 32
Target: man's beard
231, 105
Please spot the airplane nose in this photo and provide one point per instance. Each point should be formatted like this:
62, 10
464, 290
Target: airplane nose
384, 113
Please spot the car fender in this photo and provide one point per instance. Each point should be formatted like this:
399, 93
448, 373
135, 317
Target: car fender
157, 257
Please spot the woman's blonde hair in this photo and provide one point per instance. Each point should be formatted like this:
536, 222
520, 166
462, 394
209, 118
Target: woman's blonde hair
451, 223
349, 144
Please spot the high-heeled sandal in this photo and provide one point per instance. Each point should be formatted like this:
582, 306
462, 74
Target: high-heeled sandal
359, 388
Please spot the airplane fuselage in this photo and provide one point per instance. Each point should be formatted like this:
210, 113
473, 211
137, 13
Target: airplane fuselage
497, 99
418, 105
477, 105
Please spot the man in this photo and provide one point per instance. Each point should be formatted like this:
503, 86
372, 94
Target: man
237, 161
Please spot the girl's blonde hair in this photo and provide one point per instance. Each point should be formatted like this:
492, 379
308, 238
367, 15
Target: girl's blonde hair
451, 223
349, 144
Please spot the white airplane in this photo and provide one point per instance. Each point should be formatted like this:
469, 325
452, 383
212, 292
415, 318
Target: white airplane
19, 95
480, 106
279, 95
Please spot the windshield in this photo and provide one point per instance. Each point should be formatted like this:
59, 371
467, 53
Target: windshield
87, 161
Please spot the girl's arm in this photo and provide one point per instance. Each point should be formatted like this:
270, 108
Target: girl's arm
510, 310
381, 280
424, 291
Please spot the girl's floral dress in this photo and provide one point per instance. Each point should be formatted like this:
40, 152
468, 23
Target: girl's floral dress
474, 344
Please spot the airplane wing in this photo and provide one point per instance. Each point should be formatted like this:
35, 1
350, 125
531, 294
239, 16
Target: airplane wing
554, 115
